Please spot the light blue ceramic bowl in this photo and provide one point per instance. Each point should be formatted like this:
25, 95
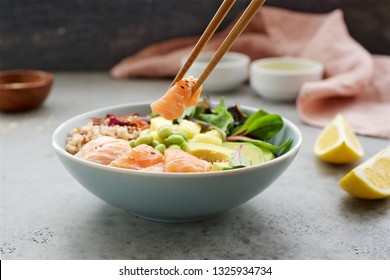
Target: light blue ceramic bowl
171, 197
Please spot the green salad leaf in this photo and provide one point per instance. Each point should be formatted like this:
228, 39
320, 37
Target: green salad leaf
239, 138
260, 125
237, 127
218, 117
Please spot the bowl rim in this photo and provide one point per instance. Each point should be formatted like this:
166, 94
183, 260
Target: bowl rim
45, 78
240, 59
57, 147
314, 66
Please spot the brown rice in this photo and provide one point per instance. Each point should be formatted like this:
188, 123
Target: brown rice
81, 135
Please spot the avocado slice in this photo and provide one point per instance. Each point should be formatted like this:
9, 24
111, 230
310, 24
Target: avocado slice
209, 152
268, 154
254, 153
220, 166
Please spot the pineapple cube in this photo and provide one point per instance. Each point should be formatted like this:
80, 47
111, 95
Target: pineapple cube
190, 128
157, 122
215, 133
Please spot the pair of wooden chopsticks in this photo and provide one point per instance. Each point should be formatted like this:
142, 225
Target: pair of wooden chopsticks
237, 29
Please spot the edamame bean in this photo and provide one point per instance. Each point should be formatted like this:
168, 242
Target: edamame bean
164, 131
161, 148
132, 143
155, 143
175, 146
182, 133
175, 139
144, 139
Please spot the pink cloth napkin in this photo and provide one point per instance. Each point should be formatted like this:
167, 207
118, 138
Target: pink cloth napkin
356, 84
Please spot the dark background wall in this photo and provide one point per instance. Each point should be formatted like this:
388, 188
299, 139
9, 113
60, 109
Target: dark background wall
96, 34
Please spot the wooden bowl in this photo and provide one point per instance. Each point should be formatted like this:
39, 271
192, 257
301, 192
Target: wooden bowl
22, 90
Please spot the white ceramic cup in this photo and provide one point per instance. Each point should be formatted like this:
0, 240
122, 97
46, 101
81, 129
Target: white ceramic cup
229, 74
280, 78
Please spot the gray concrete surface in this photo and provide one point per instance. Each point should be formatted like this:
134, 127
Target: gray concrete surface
46, 214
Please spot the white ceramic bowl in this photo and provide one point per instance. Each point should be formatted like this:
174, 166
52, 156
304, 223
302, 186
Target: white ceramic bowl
229, 74
171, 197
280, 78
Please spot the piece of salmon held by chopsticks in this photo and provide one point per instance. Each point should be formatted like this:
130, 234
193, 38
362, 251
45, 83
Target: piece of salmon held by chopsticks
178, 97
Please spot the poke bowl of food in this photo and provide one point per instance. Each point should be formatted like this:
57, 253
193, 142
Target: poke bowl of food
196, 163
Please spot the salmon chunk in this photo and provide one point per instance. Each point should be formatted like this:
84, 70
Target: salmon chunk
140, 157
177, 160
103, 149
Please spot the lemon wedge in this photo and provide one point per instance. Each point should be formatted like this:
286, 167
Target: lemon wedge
337, 143
371, 179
